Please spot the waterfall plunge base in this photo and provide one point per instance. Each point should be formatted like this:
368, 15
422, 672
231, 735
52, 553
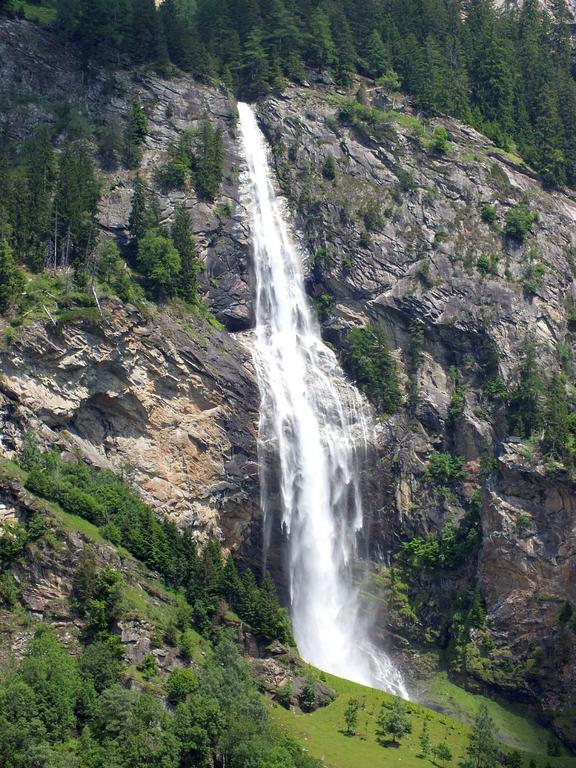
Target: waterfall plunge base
319, 426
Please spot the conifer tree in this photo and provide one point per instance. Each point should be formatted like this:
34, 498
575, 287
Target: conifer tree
183, 239
482, 749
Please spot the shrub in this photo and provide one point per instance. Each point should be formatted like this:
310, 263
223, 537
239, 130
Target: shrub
308, 696
180, 684
368, 359
488, 263
439, 143
445, 470
372, 216
284, 695
329, 168
160, 262
519, 221
488, 213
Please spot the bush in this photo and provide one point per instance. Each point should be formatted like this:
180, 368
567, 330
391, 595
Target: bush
180, 684
160, 263
329, 168
308, 697
488, 213
488, 263
519, 221
445, 470
368, 359
439, 143
284, 695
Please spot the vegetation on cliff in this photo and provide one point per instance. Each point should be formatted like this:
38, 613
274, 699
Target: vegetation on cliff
507, 73
206, 577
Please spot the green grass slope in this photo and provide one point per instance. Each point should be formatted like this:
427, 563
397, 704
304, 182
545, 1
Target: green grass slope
322, 731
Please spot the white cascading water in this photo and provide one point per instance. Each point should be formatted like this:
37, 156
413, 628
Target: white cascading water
318, 426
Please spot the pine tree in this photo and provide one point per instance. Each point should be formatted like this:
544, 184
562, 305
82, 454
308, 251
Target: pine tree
526, 405
144, 214
183, 239
376, 57
320, 45
255, 66
482, 749
11, 279
208, 161
557, 440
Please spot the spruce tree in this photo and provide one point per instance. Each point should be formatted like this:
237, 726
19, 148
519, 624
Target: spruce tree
183, 239
482, 750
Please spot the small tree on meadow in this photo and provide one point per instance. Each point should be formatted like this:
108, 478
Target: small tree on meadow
442, 753
393, 721
351, 716
482, 750
424, 740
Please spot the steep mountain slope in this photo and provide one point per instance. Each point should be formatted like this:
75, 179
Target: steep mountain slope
405, 231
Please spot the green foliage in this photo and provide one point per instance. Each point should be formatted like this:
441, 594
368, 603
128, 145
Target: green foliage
103, 500
285, 693
439, 143
208, 160
533, 275
487, 264
11, 278
101, 662
442, 753
393, 721
445, 470
329, 168
135, 135
424, 740
160, 263
10, 593
197, 157
308, 697
508, 73
112, 271
13, 541
183, 239
145, 213
519, 221
452, 548
488, 213
351, 716
147, 666
482, 750
367, 358
525, 404
324, 305
456, 407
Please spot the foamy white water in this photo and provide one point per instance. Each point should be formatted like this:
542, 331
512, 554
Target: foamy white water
318, 426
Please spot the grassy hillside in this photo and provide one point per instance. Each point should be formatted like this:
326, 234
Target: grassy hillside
322, 731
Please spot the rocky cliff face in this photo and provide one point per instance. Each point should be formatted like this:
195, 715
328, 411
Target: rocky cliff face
172, 411
397, 237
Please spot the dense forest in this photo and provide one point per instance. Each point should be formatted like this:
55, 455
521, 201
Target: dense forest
511, 75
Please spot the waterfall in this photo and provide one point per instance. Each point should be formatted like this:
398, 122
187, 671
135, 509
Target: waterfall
318, 426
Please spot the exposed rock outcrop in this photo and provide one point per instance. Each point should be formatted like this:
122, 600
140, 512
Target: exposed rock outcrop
173, 411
